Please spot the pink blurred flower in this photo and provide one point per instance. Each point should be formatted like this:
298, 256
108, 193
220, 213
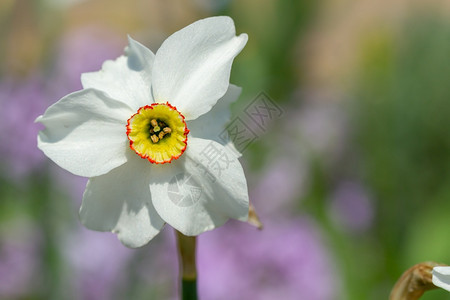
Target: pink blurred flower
281, 185
351, 207
320, 124
99, 262
84, 50
286, 260
21, 101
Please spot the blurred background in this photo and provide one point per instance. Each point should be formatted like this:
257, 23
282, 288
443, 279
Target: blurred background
352, 182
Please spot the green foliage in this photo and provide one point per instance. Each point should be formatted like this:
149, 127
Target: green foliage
402, 123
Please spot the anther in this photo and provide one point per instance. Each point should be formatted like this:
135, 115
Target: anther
154, 138
155, 126
161, 135
167, 130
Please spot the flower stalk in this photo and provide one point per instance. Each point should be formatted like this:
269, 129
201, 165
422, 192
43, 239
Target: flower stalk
188, 270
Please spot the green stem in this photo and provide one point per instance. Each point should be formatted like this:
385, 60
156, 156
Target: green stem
189, 289
188, 270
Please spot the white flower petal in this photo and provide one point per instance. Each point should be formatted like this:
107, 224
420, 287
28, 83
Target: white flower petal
120, 202
192, 67
126, 79
441, 277
85, 133
193, 195
228, 190
211, 126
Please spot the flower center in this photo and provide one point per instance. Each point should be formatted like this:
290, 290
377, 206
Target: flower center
158, 133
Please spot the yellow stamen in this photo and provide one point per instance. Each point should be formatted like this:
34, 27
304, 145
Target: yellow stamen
158, 133
154, 138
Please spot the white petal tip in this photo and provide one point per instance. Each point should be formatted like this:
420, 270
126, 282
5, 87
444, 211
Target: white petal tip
441, 277
131, 241
243, 37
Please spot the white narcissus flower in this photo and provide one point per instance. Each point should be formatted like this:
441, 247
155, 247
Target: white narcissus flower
441, 277
127, 130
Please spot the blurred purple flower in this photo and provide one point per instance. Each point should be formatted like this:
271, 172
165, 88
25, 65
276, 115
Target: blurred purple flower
21, 102
321, 125
287, 260
19, 262
98, 261
351, 207
72, 185
282, 184
84, 50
